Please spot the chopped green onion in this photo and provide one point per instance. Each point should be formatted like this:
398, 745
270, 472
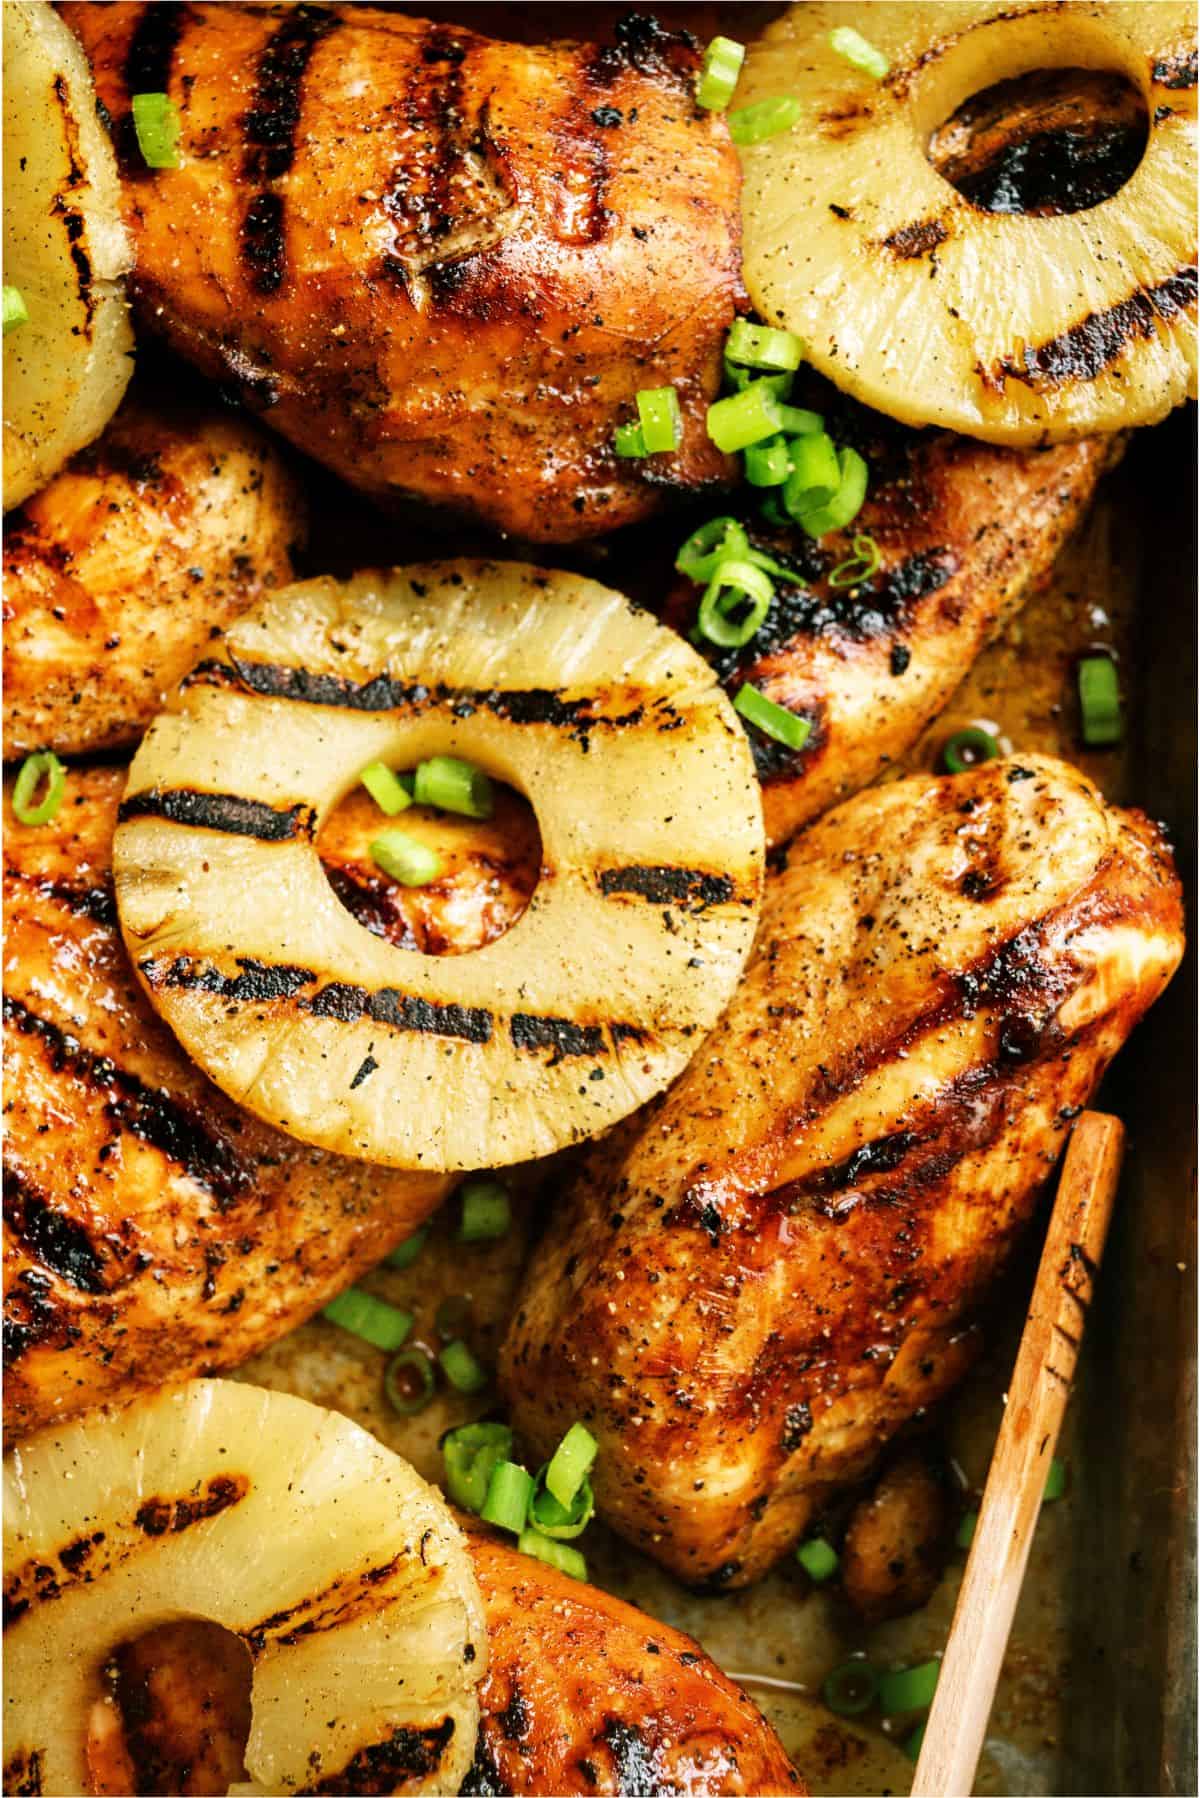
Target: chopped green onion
855, 48
486, 1211
773, 720
770, 566
555, 1554
16, 312
768, 464
739, 378
406, 1252
762, 346
562, 1522
834, 512
969, 748
507, 1503
571, 1463
386, 788
628, 440
741, 419
798, 421
408, 1381
860, 566
461, 1368
452, 785
818, 1558
913, 1742
470, 1453
708, 547
814, 468
1056, 1482
661, 419
43, 765
156, 123
453, 1316
384, 1326
773, 512
765, 118
908, 1688
405, 859
734, 583
851, 1688
965, 1534
719, 73
1099, 701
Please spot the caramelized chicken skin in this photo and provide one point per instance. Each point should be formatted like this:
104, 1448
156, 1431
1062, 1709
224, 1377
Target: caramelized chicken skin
895, 1542
443, 265
758, 1279
117, 573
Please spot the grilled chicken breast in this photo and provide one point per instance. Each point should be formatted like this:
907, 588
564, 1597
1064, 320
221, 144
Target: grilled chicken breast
757, 1280
119, 572
442, 265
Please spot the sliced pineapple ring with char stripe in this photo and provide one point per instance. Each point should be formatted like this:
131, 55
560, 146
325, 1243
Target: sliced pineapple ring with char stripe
651, 824
1010, 328
343, 1573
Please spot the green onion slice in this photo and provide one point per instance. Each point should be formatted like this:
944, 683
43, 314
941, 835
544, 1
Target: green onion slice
571, 1463
740, 419
820, 513
452, 785
406, 1252
969, 749
555, 1554
851, 1688
453, 1316
1099, 702
44, 765
738, 378
768, 464
798, 421
818, 1558
708, 547
405, 859
386, 788
1056, 1482
908, 1688
509, 1491
661, 419
469, 1454
762, 346
628, 441
913, 1743
408, 1381
719, 73
16, 312
561, 1522
733, 585
765, 118
156, 123
814, 469
769, 566
773, 720
384, 1326
486, 1211
461, 1368
855, 48
967, 1525
860, 566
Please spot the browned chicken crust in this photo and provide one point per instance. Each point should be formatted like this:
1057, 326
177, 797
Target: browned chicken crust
758, 1279
118, 573
441, 265
896, 1540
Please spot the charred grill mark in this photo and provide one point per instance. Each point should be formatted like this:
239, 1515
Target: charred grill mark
151, 53
581, 175
402, 1011
153, 1115
263, 246
322, 1610
883, 1156
419, 196
484, 1777
1177, 71
256, 983
23, 1774
73, 225
31, 1315
559, 1035
1088, 348
920, 238
160, 1516
95, 902
226, 812
668, 885
634, 1760
270, 131
49, 1236
640, 42
388, 1766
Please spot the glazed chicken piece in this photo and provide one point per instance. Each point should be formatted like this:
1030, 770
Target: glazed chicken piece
894, 1548
758, 1279
153, 1230
118, 572
442, 265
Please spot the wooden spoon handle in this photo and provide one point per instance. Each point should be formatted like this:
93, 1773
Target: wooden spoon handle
1037, 1398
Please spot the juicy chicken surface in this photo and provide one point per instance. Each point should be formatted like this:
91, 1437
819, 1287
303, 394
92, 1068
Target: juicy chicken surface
896, 1540
757, 1280
118, 572
440, 264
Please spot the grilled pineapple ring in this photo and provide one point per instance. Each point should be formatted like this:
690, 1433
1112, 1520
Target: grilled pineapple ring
1014, 329
65, 250
652, 851
342, 1571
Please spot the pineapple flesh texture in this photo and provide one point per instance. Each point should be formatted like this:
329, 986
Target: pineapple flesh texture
339, 1568
1018, 330
643, 783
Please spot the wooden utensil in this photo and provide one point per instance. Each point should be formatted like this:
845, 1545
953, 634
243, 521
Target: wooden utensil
1037, 1398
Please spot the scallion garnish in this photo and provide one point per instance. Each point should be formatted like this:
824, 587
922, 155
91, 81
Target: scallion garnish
452, 785
555, 1554
460, 1367
486, 1211
818, 1558
16, 312
798, 421
1056, 1482
561, 1522
814, 471
1099, 702
860, 566
762, 346
719, 73
969, 749
156, 124
738, 378
406, 1252
765, 118
821, 513
851, 1688
628, 441
408, 1381
740, 419
570, 1464
904, 1689
404, 859
773, 720
44, 765
913, 1742
386, 788
855, 48
469, 1454
384, 1326
509, 1491
965, 1533
735, 585
768, 464
660, 419
707, 548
